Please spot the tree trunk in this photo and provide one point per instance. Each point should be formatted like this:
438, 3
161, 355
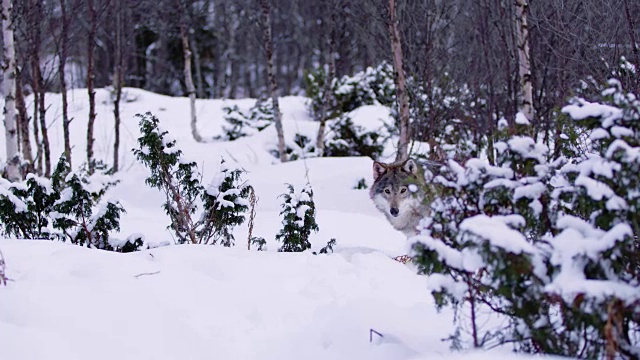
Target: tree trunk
12, 168
273, 86
198, 65
91, 39
634, 43
117, 83
43, 125
400, 81
62, 55
188, 78
229, 56
326, 100
37, 17
36, 128
23, 122
524, 61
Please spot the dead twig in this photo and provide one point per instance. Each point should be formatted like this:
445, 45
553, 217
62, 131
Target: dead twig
371, 332
147, 273
253, 200
3, 276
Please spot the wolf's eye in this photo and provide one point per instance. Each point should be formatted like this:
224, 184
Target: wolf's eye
403, 190
387, 191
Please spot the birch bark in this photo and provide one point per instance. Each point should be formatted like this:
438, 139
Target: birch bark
12, 168
273, 86
401, 85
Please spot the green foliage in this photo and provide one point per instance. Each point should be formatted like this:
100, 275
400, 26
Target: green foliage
68, 207
299, 220
361, 184
327, 248
177, 179
224, 201
548, 243
76, 217
259, 242
301, 148
343, 138
347, 139
133, 242
240, 124
368, 87
315, 84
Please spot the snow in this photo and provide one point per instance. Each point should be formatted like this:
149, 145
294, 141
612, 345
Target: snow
580, 239
497, 233
203, 302
584, 109
528, 149
18, 204
521, 119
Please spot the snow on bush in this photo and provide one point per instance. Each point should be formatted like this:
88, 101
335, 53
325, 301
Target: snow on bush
240, 124
298, 219
224, 201
368, 87
68, 207
547, 245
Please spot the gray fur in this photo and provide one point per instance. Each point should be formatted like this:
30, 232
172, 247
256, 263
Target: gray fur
392, 195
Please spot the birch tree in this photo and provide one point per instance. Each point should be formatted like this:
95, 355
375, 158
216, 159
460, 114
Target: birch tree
229, 55
62, 45
188, 77
524, 61
37, 18
118, 77
401, 84
91, 40
635, 47
330, 26
9, 80
273, 85
23, 123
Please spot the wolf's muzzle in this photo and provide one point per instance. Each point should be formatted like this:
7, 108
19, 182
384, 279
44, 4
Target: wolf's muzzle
394, 211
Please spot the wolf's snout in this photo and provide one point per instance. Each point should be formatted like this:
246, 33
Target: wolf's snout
394, 211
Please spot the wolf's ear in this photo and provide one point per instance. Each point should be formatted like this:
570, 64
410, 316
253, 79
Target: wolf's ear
410, 166
378, 169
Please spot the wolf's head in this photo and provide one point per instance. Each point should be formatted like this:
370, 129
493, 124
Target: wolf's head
397, 188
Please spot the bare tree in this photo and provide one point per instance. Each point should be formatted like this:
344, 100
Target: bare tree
229, 80
524, 60
401, 84
23, 122
198, 65
188, 77
62, 46
329, 27
91, 42
31, 31
118, 77
9, 80
631, 26
273, 85
38, 17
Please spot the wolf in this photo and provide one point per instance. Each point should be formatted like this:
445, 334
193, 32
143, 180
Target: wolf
398, 191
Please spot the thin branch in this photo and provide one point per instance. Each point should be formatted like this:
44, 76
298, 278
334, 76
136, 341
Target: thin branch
146, 273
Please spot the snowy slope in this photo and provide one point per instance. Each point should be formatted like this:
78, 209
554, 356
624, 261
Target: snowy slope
203, 302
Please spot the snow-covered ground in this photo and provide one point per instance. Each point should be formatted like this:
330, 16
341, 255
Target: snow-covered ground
204, 302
